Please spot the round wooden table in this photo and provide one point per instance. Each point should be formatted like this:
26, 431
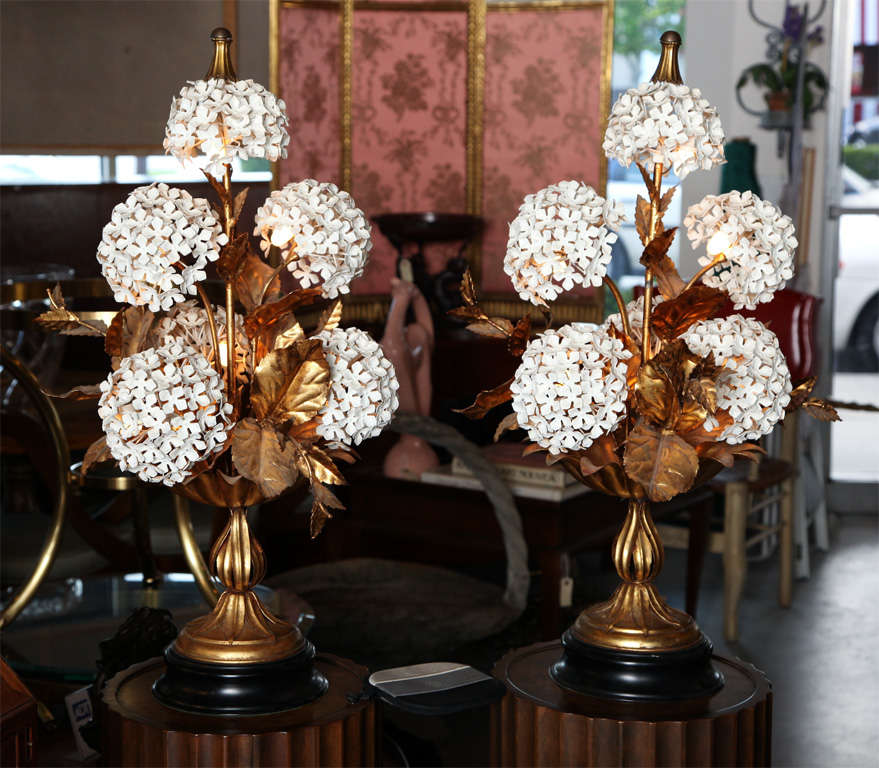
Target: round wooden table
539, 723
336, 729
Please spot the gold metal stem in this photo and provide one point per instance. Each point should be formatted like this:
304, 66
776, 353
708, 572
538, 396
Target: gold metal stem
624, 315
637, 618
648, 274
277, 271
239, 630
721, 257
212, 326
230, 294
192, 553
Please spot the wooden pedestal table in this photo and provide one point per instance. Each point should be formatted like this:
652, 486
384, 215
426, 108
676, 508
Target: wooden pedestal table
539, 723
330, 731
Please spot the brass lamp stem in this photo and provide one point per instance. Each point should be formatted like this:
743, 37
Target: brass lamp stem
230, 295
618, 298
721, 257
648, 274
212, 326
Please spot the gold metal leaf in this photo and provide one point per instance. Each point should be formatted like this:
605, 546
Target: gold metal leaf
800, 392
488, 399
330, 318
64, 321
655, 394
128, 332
240, 199
97, 452
468, 289
493, 327
704, 392
660, 461
318, 518
658, 246
666, 199
648, 180
671, 318
520, 336
655, 257
266, 315
291, 384
318, 465
287, 332
262, 455
467, 312
82, 392
642, 219
325, 496
251, 278
509, 422
820, 409
232, 256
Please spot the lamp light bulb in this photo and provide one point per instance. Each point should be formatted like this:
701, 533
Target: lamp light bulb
718, 243
281, 236
224, 353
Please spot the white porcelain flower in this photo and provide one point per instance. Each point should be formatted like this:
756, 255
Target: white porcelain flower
363, 387
755, 385
561, 238
163, 410
220, 120
327, 233
187, 324
156, 246
664, 123
570, 387
756, 238
635, 311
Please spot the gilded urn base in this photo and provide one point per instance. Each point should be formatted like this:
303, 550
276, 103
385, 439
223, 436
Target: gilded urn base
635, 647
240, 659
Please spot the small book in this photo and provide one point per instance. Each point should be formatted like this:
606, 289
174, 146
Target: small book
516, 468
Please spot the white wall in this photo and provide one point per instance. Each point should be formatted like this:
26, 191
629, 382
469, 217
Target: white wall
721, 40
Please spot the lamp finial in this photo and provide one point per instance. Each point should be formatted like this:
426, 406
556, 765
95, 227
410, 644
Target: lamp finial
221, 65
667, 70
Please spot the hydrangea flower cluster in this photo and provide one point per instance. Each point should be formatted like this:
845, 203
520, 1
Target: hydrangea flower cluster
187, 324
561, 238
664, 123
326, 233
755, 385
635, 311
156, 246
363, 387
570, 387
756, 238
224, 119
162, 411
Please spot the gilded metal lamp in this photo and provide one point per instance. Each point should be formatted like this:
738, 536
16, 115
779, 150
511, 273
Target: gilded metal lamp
231, 406
663, 394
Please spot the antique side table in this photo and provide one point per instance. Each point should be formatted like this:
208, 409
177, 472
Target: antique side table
538, 723
337, 729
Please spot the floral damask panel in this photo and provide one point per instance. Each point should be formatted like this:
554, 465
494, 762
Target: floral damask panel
409, 110
309, 79
543, 114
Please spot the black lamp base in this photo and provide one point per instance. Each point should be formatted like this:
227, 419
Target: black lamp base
239, 689
637, 675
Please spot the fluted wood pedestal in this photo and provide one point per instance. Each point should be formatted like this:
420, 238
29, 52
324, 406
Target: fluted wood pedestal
331, 731
540, 724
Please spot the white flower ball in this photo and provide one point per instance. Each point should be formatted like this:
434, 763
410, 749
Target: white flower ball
157, 244
755, 385
187, 324
664, 123
327, 233
163, 410
560, 239
635, 311
570, 387
363, 387
222, 119
756, 238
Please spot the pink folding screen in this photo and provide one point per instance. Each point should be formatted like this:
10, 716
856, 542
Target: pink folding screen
539, 86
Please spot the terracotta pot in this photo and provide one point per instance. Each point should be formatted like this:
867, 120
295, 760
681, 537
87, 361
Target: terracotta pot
778, 101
